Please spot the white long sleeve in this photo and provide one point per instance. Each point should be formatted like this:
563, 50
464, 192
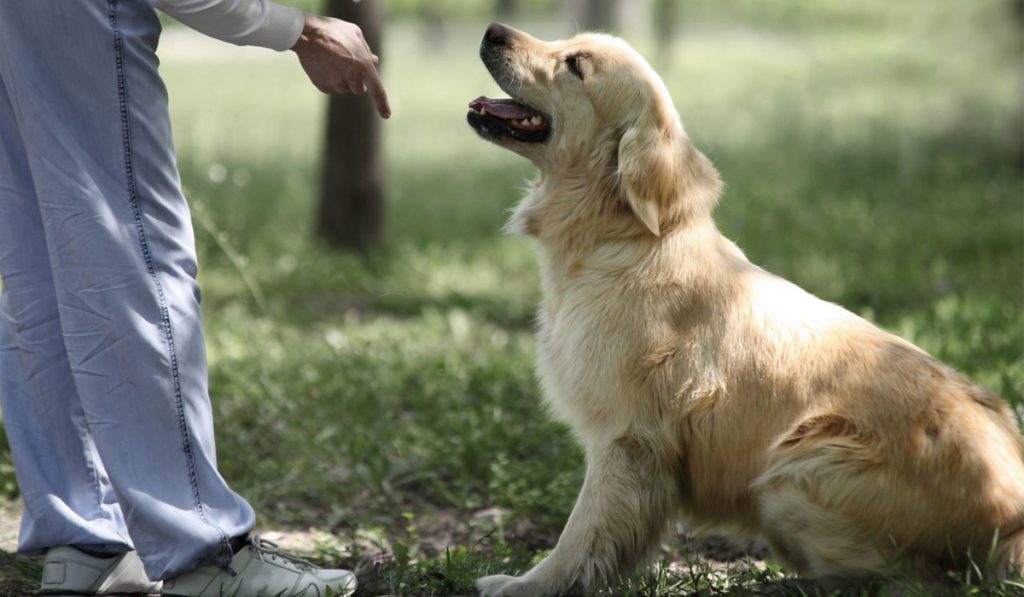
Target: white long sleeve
241, 22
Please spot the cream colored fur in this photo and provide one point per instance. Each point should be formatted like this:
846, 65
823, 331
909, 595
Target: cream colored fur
702, 386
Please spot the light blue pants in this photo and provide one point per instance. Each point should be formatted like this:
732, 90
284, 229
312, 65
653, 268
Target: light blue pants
103, 379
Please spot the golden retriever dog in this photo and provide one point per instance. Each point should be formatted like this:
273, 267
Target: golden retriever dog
701, 386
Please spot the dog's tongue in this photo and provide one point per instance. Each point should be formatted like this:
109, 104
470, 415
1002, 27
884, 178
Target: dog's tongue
502, 108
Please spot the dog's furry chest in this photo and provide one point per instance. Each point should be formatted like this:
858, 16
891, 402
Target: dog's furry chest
583, 358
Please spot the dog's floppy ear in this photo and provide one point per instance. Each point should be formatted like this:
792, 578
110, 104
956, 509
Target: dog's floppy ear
649, 167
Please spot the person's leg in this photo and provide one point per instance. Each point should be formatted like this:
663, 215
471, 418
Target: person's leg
68, 500
92, 110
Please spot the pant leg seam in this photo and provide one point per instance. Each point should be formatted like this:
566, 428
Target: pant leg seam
165, 319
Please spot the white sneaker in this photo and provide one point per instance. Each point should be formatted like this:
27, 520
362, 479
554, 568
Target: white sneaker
68, 571
262, 569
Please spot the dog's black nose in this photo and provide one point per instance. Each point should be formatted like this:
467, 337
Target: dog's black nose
497, 34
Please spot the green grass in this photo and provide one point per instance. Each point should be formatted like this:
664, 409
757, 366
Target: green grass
872, 153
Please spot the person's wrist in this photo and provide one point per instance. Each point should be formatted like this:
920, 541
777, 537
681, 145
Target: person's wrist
310, 29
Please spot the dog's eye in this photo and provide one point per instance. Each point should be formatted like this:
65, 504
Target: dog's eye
573, 63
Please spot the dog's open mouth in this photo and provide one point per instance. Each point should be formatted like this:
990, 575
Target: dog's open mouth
507, 118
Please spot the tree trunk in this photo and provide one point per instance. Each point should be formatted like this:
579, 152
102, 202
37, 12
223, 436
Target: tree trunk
636, 20
352, 196
666, 22
505, 10
432, 26
600, 15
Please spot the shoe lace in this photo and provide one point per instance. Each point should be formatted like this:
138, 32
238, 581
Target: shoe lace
270, 551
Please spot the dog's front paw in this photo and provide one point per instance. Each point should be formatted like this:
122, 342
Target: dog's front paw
502, 585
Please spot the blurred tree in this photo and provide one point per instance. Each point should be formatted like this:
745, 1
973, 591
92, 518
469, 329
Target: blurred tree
666, 19
432, 18
591, 15
632, 18
505, 10
636, 19
352, 197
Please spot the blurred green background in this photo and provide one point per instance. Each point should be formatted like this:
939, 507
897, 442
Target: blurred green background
871, 150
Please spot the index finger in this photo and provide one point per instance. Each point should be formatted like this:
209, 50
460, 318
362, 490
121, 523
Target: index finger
375, 87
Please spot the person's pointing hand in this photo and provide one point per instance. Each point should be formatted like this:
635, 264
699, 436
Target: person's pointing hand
338, 60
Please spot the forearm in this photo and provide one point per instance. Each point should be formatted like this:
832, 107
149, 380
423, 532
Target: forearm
241, 22
333, 52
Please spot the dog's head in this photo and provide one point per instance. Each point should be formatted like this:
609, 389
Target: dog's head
592, 113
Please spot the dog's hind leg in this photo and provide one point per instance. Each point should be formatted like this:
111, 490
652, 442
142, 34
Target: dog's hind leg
836, 502
1010, 556
621, 513
814, 540
822, 475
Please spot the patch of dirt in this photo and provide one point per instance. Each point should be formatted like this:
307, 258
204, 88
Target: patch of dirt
10, 521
